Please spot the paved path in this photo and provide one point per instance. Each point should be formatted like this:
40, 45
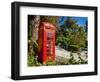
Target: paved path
62, 54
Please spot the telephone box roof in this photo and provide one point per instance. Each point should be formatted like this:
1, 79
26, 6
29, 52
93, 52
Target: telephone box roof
47, 24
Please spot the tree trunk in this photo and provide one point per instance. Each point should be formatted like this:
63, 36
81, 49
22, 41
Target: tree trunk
35, 25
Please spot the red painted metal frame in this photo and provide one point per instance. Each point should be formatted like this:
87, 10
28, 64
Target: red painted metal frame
44, 29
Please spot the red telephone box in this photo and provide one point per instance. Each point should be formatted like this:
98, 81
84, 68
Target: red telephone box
46, 42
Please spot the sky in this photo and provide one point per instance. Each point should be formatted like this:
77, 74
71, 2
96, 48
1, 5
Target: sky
81, 21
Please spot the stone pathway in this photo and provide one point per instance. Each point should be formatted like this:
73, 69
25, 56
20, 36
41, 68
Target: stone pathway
63, 55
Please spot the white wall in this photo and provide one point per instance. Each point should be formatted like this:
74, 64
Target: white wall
5, 40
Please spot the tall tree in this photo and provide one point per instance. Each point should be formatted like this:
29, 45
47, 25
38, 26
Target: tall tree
72, 34
33, 24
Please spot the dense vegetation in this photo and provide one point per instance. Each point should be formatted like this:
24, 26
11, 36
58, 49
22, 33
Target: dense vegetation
71, 36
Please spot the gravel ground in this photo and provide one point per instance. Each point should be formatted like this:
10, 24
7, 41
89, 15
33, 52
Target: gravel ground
62, 54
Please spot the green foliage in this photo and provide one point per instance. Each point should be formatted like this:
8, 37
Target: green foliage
50, 19
50, 63
71, 35
73, 48
70, 23
73, 61
61, 40
30, 60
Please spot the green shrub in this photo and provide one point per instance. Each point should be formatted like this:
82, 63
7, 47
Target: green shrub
50, 63
73, 48
30, 60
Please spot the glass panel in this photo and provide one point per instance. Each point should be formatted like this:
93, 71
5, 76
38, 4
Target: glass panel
49, 43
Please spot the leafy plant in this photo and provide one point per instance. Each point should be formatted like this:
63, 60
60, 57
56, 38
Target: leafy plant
50, 63
30, 60
71, 35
